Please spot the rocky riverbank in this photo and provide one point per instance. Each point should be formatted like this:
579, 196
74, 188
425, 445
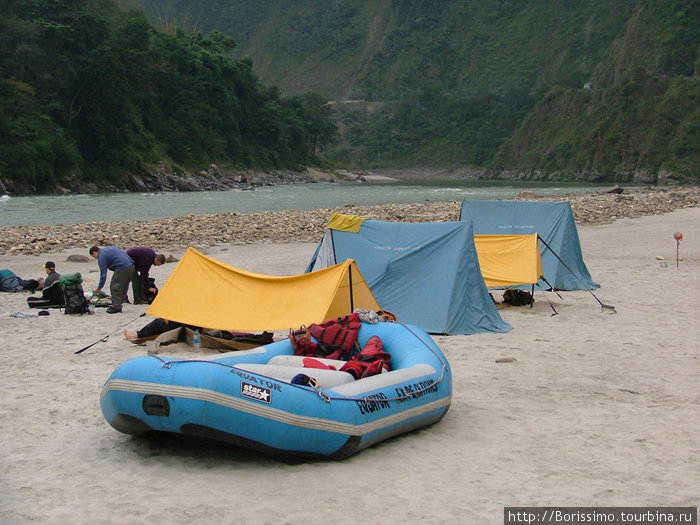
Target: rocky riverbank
163, 178
201, 231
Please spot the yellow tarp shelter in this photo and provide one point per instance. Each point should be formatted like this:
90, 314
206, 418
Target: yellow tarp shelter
509, 260
204, 292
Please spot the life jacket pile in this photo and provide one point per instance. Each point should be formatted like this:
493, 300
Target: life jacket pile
337, 339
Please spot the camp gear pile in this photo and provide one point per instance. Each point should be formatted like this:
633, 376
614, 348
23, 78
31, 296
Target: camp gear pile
337, 339
74, 301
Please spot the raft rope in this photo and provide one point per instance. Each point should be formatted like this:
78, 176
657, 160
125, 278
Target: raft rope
321, 392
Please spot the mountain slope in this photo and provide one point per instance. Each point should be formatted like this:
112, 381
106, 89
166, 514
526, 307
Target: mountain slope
544, 89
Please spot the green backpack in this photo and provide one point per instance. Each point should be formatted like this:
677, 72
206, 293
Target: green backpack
74, 300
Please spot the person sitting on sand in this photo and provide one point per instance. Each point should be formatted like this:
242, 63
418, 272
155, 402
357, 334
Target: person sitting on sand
52, 276
154, 328
51, 289
10, 282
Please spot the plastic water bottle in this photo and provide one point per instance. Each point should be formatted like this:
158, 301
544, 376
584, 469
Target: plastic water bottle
196, 341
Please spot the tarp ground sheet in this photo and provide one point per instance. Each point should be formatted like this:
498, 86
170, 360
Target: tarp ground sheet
204, 292
427, 274
552, 221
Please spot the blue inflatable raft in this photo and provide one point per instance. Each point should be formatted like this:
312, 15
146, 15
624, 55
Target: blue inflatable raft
246, 398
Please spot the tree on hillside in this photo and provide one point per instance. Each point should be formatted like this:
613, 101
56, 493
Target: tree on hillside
92, 92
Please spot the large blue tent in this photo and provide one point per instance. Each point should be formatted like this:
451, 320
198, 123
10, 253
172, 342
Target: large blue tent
427, 274
562, 259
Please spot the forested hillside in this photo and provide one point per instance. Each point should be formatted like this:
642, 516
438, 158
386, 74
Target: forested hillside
548, 89
93, 95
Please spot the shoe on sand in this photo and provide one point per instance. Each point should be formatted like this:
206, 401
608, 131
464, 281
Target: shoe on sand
113, 310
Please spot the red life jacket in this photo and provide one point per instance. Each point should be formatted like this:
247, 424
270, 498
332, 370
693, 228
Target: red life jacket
336, 338
372, 360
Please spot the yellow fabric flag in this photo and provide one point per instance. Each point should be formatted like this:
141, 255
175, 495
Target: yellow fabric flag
346, 223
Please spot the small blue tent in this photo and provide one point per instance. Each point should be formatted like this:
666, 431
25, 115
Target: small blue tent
427, 274
562, 259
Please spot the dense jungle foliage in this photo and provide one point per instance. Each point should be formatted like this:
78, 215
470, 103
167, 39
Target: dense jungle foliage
552, 89
92, 92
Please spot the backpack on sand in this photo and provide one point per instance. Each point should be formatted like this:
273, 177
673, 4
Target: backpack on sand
517, 297
74, 301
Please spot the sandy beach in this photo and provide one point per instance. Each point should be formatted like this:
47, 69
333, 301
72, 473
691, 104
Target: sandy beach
597, 409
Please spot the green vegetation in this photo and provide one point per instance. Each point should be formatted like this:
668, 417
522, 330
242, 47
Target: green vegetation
551, 89
547, 89
90, 92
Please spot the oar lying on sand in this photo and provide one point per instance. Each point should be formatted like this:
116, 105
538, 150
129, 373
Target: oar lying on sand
105, 338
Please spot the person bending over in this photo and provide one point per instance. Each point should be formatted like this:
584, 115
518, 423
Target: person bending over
143, 259
112, 258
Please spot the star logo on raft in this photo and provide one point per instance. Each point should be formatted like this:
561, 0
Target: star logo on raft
256, 392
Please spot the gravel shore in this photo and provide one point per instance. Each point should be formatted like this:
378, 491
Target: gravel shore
201, 231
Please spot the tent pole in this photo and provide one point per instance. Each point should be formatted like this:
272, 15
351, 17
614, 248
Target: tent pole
550, 302
603, 306
551, 288
335, 259
352, 301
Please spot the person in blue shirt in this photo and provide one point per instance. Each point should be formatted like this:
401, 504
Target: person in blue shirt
112, 258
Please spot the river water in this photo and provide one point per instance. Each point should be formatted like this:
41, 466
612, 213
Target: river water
71, 209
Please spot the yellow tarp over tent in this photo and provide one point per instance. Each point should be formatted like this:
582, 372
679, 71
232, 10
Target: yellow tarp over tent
208, 293
509, 260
